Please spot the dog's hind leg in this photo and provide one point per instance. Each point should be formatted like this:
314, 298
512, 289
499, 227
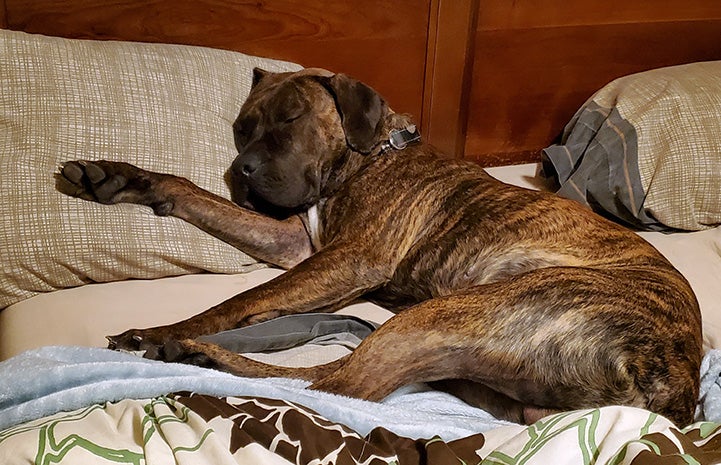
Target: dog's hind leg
497, 404
212, 356
553, 338
209, 355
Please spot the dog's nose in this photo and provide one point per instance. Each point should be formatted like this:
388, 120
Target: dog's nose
249, 168
246, 164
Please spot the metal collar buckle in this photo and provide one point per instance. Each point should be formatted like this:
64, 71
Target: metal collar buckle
400, 138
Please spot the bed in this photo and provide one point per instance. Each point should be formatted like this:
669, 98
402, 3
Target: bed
633, 135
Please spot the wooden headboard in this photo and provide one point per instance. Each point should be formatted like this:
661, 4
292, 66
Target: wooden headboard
493, 81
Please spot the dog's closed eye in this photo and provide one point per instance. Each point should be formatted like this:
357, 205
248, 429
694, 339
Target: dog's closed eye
290, 119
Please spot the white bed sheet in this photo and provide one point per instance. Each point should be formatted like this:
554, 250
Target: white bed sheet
84, 315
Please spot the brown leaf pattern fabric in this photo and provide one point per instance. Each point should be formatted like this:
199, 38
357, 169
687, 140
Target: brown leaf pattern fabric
185, 428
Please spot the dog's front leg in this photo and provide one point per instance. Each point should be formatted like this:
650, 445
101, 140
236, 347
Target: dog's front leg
283, 243
324, 282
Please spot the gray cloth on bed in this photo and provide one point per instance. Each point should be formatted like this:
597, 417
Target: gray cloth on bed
597, 165
293, 330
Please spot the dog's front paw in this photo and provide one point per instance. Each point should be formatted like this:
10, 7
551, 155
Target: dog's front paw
138, 340
110, 182
101, 181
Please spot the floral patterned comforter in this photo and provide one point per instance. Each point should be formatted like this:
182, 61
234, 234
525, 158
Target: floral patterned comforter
194, 429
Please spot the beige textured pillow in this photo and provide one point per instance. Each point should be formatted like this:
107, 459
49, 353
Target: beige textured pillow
646, 148
165, 108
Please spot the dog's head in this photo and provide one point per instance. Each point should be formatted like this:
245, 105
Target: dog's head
297, 132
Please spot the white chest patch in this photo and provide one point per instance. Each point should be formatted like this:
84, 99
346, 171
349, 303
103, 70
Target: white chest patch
314, 227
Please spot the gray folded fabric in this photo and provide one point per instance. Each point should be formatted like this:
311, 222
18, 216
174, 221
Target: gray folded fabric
293, 330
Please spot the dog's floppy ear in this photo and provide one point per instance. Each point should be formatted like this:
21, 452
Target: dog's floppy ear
258, 75
361, 109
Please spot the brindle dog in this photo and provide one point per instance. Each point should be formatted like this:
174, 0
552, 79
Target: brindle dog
518, 301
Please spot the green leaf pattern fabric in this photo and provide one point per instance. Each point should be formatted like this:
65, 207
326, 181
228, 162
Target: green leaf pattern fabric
196, 429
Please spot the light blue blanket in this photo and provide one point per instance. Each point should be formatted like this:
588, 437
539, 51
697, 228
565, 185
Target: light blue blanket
709, 406
52, 379
41, 382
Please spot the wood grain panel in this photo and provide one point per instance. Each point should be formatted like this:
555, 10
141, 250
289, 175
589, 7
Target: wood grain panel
500, 14
527, 83
382, 43
447, 81
3, 14
492, 80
